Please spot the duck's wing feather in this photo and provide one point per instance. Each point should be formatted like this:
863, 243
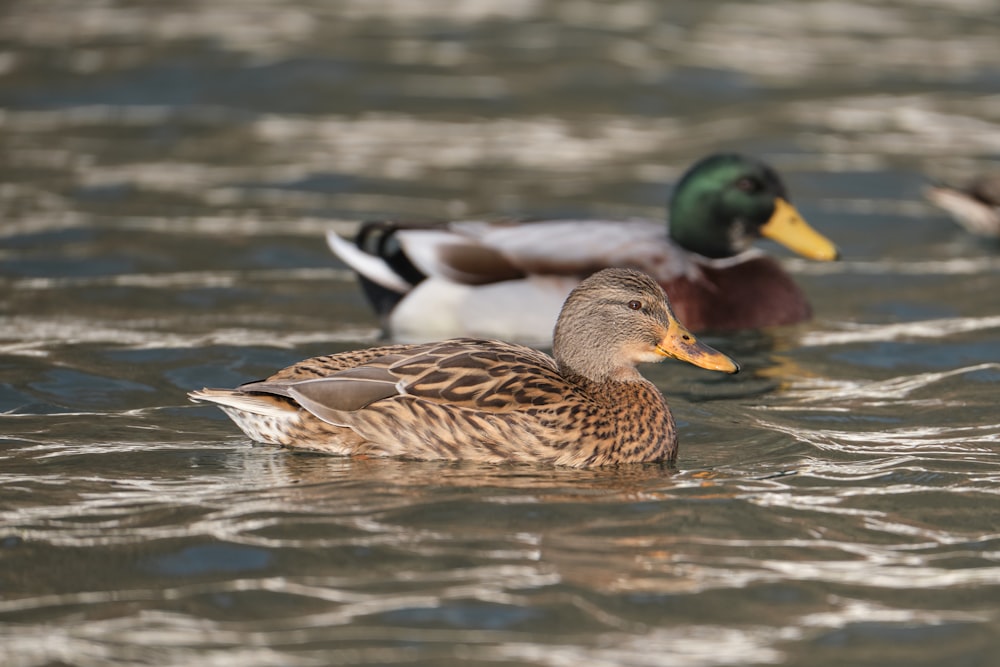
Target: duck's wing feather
345, 391
327, 365
448, 400
475, 252
444, 253
580, 247
489, 376
483, 252
485, 376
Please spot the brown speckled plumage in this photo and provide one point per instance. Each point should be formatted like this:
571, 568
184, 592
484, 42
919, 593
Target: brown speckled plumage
487, 400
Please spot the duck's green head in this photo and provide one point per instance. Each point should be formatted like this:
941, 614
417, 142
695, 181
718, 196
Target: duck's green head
725, 202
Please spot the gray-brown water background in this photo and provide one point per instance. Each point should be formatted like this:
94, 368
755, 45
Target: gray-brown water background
167, 171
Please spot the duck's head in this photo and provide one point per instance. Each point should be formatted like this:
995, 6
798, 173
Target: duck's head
618, 318
725, 202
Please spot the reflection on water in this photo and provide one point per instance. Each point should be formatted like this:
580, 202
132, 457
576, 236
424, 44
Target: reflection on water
167, 173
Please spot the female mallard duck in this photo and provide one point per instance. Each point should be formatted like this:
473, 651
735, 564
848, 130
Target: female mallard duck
485, 400
976, 207
507, 280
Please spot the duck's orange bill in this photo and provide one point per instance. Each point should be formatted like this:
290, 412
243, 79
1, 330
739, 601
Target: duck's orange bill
788, 228
679, 343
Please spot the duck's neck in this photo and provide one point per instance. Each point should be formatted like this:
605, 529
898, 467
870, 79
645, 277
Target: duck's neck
609, 376
614, 392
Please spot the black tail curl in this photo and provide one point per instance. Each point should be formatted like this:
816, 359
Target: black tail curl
378, 237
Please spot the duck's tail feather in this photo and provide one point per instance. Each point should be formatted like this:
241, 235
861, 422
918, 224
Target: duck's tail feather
271, 419
367, 265
385, 272
265, 405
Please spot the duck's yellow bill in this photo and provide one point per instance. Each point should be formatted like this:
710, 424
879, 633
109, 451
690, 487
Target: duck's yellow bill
679, 343
788, 228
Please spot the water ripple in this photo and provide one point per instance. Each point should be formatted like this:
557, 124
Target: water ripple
925, 329
168, 168
35, 336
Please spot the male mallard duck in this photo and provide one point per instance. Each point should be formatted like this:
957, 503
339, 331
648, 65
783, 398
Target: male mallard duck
507, 280
976, 207
486, 400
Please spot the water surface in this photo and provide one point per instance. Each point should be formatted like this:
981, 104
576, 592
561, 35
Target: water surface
167, 171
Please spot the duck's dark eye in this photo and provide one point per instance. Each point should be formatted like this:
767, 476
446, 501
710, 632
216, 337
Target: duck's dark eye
748, 185
635, 305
